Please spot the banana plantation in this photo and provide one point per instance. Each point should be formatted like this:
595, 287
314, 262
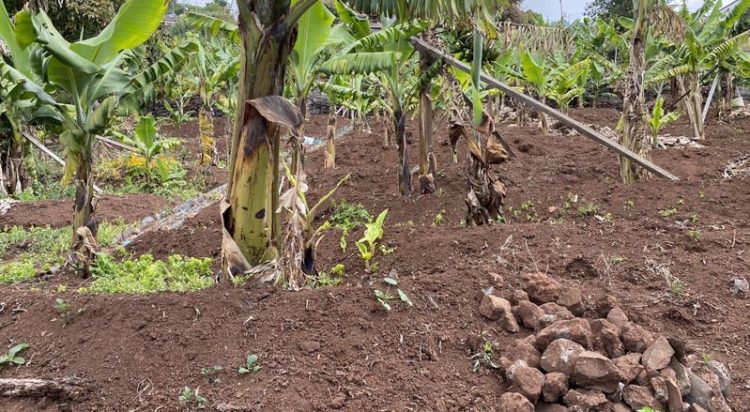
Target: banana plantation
314, 205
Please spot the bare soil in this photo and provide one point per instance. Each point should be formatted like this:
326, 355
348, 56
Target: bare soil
334, 348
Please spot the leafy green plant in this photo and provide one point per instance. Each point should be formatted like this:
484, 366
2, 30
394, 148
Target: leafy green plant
385, 297
694, 235
484, 357
368, 244
658, 119
251, 365
63, 308
211, 372
11, 357
439, 219
668, 212
191, 398
333, 277
147, 275
146, 139
347, 216
589, 209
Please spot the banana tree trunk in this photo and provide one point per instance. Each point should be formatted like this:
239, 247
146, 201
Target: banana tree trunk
386, 131
296, 142
14, 171
689, 86
83, 246
330, 150
404, 174
249, 212
426, 157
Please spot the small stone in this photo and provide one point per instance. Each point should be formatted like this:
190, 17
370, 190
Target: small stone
636, 338
674, 397
640, 397
514, 402
659, 385
606, 338
552, 313
706, 388
496, 308
682, 377
722, 373
583, 400
525, 351
496, 280
595, 371
629, 366
528, 314
617, 317
604, 304
621, 407
555, 386
518, 296
528, 382
740, 286
658, 355
540, 287
560, 356
572, 299
577, 330
550, 407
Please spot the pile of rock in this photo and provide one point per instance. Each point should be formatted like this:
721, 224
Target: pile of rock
601, 363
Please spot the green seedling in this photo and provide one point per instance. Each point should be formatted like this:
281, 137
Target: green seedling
190, 398
63, 308
668, 212
484, 357
439, 219
211, 372
385, 297
368, 244
658, 119
12, 356
251, 365
694, 235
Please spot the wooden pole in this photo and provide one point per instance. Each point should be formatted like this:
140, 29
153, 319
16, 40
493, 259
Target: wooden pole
423, 47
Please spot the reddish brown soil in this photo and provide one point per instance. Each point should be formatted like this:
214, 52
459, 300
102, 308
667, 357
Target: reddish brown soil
334, 348
59, 213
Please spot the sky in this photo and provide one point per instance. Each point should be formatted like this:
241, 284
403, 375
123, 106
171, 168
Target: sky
572, 9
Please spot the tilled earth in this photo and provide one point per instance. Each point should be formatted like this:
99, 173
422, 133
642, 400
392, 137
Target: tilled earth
668, 251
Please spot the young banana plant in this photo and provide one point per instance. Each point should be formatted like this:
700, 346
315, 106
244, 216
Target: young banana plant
658, 120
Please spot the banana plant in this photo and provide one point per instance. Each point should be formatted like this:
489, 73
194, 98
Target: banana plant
22, 103
659, 119
708, 46
89, 73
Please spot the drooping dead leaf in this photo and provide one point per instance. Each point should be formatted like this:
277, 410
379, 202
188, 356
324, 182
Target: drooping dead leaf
279, 110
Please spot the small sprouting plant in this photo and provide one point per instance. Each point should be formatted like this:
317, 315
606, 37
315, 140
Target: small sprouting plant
347, 216
190, 398
211, 372
338, 270
251, 365
387, 250
63, 308
385, 297
647, 409
668, 212
368, 244
658, 119
589, 209
484, 357
570, 200
694, 235
676, 286
439, 219
11, 357
333, 277
707, 357
629, 204
617, 260
442, 173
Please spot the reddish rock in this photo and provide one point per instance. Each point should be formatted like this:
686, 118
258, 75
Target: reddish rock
550, 407
555, 386
552, 313
572, 299
629, 366
617, 317
560, 356
674, 400
499, 309
659, 386
705, 388
518, 296
621, 407
638, 397
528, 382
682, 377
514, 402
540, 287
595, 371
606, 338
577, 330
636, 338
528, 314
583, 400
604, 304
523, 351
658, 355
722, 373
